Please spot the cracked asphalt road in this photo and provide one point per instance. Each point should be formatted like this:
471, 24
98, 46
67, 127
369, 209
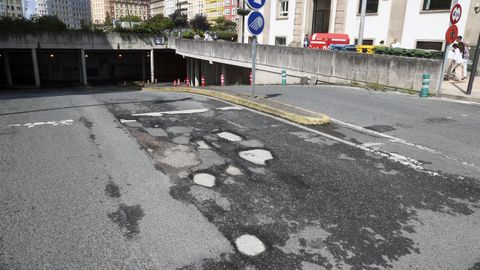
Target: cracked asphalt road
114, 189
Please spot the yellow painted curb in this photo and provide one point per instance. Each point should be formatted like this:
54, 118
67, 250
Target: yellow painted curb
321, 119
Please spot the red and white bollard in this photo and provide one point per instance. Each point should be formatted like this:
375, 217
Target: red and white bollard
178, 82
174, 82
187, 82
250, 78
203, 81
222, 80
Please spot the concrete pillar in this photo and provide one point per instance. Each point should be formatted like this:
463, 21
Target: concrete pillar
8, 71
36, 73
224, 72
197, 73
83, 64
192, 71
143, 66
188, 69
152, 67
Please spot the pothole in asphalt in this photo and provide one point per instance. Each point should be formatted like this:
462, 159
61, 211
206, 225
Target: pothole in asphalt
229, 136
130, 123
232, 170
181, 140
180, 130
123, 121
249, 245
157, 132
257, 156
204, 179
202, 145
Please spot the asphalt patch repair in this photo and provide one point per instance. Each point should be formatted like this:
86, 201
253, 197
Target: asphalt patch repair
317, 202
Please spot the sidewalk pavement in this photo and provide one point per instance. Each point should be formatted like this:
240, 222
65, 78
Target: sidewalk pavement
458, 90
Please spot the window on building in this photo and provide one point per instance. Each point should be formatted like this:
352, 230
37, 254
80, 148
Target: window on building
429, 45
437, 4
226, 12
282, 9
227, 2
365, 41
280, 41
372, 6
234, 11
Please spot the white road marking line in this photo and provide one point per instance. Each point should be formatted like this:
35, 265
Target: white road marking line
398, 140
229, 136
228, 108
466, 102
171, 112
410, 162
51, 123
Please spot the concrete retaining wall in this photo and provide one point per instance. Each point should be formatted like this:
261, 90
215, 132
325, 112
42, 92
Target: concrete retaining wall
328, 66
78, 40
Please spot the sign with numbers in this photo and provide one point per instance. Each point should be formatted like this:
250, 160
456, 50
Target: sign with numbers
456, 14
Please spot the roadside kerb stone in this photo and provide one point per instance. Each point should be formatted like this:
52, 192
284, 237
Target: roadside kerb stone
285, 111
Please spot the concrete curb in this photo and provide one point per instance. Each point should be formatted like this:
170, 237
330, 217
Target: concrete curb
308, 118
463, 98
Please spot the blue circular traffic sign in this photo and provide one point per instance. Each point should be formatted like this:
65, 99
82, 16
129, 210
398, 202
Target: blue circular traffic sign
256, 4
255, 23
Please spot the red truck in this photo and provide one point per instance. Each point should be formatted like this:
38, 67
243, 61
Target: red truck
324, 40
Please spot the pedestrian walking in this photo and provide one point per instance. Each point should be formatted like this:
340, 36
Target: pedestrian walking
306, 41
396, 43
455, 69
465, 55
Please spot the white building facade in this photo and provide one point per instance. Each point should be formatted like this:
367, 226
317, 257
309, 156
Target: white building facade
169, 7
414, 23
11, 8
71, 12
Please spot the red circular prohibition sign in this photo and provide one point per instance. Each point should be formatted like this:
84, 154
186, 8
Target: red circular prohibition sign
456, 13
452, 34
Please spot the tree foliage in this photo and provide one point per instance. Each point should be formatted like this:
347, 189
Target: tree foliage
130, 18
179, 19
222, 24
158, 24
37, 23
200, 22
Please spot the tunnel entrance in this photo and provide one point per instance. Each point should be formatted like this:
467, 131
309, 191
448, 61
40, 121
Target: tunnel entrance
59, 68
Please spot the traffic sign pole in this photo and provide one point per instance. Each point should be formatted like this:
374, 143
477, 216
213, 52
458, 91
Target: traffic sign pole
255, 23
254, 58
444, 62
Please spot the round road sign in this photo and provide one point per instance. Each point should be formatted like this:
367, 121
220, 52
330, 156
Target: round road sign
256, 4
452, 34
255, 23
456, 14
